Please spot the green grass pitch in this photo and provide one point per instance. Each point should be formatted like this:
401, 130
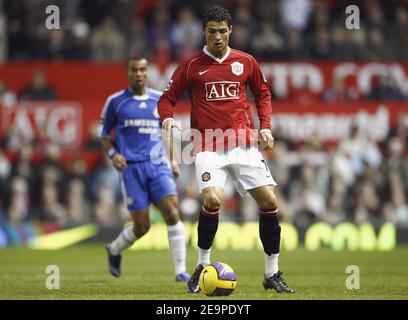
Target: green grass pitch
149, 274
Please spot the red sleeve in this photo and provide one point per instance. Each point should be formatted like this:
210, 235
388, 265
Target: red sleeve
259, 88
177, 85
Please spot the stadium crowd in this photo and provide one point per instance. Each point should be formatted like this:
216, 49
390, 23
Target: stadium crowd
355, 180
165, 30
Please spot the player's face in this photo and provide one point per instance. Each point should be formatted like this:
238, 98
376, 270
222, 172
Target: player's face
137, 74
217, 37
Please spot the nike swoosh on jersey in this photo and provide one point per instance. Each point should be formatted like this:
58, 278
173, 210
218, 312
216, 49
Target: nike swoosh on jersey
202, 72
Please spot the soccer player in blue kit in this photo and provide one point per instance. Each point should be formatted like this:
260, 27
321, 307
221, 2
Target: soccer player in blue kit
146, 178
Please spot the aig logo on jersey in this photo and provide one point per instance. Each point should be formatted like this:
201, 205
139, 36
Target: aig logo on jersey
237, 68
221, 90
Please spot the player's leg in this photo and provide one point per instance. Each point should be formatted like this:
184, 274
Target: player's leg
129, 234
207, 228
270, 234
211, 176
137, 200
163, 193
252, 175
208, 222
168, 206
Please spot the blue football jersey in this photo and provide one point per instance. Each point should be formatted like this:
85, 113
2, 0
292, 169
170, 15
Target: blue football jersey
136, 123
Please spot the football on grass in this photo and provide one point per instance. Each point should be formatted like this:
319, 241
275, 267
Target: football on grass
217, 279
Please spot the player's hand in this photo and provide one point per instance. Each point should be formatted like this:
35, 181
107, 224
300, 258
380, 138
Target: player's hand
168, 125
266, 140
175, 169
119, 162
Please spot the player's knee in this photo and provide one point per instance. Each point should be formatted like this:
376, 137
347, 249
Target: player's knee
141, 229
269, 203
212, 201
171, 215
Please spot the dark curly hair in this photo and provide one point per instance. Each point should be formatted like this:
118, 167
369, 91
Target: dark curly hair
218, 14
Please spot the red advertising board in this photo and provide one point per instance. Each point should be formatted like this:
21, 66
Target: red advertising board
59, 122
86, 85
95, 81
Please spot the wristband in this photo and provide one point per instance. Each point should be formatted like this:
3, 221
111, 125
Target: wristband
112, 152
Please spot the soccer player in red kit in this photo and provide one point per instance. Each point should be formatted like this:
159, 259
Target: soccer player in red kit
216, 80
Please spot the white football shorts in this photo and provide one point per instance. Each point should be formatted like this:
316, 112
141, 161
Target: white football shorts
246, 167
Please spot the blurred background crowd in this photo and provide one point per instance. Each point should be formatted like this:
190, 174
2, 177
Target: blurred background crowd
358, 179
165, 30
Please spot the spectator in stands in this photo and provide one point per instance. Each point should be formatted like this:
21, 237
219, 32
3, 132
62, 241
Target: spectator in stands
241, 38
78, 207
385, 88
295, 48
52, 173
267, 10
338, 93
186, 33
295, 13
76, 41
51, 207
375, 16
7, 97
158, 38
396, 160
106, 193
267, 43
19, 203
335, 212
377, 48
56, 45
38, 90
360, 149
396, 210
93, 142
25, 168
137, 42
322, 47
307, 197
244, 26
303, 94
399, 33
400, 129
103, 175
349, 45
108, 42
368, 199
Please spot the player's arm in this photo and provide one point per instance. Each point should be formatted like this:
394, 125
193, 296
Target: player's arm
177, 85
106, 125
168, 145
259, 88
118, 161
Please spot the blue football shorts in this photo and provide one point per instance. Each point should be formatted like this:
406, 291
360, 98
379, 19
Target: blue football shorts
145, 182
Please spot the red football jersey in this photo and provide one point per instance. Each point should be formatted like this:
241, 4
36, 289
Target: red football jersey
217, 91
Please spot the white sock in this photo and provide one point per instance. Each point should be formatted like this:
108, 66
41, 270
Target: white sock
204, 257
177, 244
125, 239
271, 264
